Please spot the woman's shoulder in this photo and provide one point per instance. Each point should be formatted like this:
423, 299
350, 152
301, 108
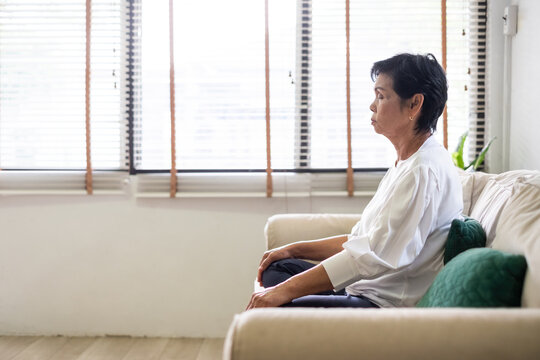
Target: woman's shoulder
432, 162
433, 155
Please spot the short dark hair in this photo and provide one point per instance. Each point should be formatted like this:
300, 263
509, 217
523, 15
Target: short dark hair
417, 74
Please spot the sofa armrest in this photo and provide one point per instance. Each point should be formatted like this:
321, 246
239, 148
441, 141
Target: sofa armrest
288, 228
409, 333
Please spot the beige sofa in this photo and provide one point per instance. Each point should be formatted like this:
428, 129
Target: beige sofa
508, 207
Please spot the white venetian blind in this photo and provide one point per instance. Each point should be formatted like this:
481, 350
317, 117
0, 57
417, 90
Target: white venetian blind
42, 87
219, 86
466, 73
220, 100
286, 76
379, 29
457, 60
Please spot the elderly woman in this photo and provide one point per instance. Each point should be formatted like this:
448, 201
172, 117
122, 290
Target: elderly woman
395, 251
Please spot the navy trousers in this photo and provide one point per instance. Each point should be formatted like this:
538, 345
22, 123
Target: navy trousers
281, 270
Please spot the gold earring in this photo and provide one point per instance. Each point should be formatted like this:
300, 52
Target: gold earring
411, 118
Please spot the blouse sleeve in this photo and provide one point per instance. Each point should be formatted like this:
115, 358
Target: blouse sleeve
394, 238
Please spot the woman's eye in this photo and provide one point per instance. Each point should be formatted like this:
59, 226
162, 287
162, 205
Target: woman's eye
380, 97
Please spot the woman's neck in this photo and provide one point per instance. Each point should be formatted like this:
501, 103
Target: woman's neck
407, 146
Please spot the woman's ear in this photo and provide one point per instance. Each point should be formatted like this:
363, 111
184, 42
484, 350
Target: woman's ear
416, 104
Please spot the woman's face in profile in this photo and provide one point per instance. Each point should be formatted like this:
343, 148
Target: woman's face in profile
389, 118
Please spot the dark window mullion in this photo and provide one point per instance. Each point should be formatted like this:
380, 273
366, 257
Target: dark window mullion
302, 154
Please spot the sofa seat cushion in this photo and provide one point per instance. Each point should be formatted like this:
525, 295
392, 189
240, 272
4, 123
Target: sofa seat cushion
481, 277
518, 231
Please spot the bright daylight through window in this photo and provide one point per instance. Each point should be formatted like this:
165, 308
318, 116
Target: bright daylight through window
219, 65
42, 85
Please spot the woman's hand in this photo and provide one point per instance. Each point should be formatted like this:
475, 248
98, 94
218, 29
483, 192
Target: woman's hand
270, 256
269, 297
309, 282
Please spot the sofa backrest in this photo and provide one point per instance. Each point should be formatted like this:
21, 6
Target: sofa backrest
473, 183
486, 195
508, 207
518, 231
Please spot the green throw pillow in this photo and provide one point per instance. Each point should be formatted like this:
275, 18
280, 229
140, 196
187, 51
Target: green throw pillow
463, 235
478, 278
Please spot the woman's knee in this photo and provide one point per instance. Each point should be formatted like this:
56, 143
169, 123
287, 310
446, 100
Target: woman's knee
274, 274
283, 269
291, 266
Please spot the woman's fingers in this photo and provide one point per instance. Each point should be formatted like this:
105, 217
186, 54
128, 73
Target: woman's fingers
256, 301
252, 302
260, 271
267, 259
265, 255
271, 297
249, 306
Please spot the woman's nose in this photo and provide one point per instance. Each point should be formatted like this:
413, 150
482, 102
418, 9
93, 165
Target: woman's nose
372, 107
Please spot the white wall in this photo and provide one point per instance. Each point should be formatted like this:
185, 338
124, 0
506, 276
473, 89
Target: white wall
525, 98
94, 265
524, 117
495, 70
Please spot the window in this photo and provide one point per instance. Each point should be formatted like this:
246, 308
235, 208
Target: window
219, 65
219, 84
42, 93
219, 68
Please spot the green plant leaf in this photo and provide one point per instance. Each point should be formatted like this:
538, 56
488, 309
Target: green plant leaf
457, 156
461, 142
458, 160
480, 158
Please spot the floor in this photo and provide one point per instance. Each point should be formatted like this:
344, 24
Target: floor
108, 348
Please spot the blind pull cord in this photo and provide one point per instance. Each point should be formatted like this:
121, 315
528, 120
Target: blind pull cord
350, 172
443, 60
173, 184
269, 185
88, 177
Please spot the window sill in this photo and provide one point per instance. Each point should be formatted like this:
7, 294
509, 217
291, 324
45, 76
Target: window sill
62, 183
254, 184
191, 185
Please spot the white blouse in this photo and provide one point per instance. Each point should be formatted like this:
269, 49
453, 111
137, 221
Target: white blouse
395, 251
